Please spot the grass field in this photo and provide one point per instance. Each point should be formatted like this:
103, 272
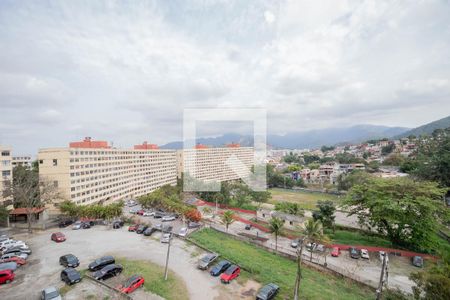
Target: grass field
267, 267
172, 289
306, 200
356, 238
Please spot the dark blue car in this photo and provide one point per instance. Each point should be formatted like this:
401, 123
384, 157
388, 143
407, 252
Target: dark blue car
220, 268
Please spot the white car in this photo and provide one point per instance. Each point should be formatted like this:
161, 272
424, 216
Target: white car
183, 231
168, 218
148, 213
364, 253
11, 243
9, 255
165, 238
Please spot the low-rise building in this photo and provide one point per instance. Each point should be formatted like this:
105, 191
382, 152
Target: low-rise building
6, 172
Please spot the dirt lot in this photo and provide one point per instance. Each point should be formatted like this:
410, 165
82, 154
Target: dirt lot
43, 269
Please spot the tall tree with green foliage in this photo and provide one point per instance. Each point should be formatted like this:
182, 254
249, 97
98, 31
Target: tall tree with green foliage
404, 210
275, 226
325, 213
346, 181
227, 218
28, 191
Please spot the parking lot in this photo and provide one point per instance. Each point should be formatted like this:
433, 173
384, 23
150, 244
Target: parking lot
43, 270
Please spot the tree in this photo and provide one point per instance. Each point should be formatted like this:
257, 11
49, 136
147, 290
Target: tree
227, 218
193, 215
395, 159
402, 209
326, 148
289, 208
3, 214
325, 214
28, 191
275, 226
387, 149
346, 181
299, 269
313, 232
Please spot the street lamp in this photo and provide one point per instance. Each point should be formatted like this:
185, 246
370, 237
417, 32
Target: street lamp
167, 256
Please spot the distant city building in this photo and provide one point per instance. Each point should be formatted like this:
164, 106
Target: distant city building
22, 161
91, 171
6, 171
216, 164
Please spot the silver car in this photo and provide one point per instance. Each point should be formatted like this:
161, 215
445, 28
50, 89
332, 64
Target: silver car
50, 293
165, 238
8, 266
183, 231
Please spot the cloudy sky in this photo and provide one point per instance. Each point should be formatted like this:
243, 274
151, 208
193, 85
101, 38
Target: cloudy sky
124, 71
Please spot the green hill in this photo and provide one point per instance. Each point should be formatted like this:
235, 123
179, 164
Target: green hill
427, 128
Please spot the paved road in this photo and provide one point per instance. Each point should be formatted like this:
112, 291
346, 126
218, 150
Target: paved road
43, 268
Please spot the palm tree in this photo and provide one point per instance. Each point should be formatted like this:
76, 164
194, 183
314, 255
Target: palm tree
228, 218
275, 226
299, 270
313, 232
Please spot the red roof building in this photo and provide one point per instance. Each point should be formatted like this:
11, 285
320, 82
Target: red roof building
146, 146
89, 143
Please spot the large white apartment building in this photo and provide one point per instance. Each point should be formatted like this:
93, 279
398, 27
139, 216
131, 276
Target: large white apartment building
89, 172
22, 161
5, 169
216, 164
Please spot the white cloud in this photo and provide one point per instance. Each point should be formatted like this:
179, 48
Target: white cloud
269, 17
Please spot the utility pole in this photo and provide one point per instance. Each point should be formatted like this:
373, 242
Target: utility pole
167, 257
299, 270
380, 284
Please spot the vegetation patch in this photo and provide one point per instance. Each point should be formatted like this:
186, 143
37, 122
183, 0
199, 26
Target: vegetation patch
305, 200
266, 267
172, 289
347, 237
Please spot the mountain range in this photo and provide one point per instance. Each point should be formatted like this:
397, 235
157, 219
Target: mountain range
318, 137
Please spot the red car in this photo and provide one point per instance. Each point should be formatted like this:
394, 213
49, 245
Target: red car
335, 252
6, 276
58, 237
141, 212
132, 284
18, 260
133, 227
231, 273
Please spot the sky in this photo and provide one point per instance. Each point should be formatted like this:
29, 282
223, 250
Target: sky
124, 71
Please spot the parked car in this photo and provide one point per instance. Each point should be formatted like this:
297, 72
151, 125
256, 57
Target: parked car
108, 271
101, 262
148, 213
149, 231
192, 225
417, 261
69, 260
70, 276
140, 212
320, 248
248, 226
220, 268
16, 249
58, 237
11, 243
165, 238
183, 231
382, 254
133, 227
117, 224
159, 214
168, 218
86, 225
50, 293
231, 273
134, 211
133, 283
18, 260
295, 243
77, 225
311, 246
267, 292
15, 254
6, 276
354, 253
8, 266
207, 260
64, 223
166, 228
141, 228
364, 254
336, 251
